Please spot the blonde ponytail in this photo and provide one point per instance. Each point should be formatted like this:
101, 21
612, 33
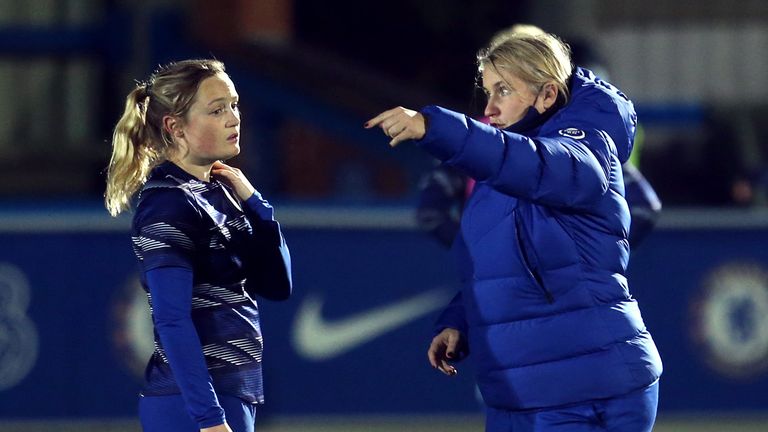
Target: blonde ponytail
133, 155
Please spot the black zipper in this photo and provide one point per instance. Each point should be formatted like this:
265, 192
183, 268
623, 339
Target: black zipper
533, 274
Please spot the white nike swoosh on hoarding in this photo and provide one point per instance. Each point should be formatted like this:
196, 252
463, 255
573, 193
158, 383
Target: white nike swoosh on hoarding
317, 339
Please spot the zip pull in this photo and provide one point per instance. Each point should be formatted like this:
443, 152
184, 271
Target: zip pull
550, 297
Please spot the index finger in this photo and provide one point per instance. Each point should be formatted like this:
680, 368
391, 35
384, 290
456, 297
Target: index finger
379, 118
432, 355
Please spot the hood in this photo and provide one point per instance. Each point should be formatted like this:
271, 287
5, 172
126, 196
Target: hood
597, 104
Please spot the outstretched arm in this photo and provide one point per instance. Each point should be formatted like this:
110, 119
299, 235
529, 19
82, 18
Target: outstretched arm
559, 168
564, 170
400, 124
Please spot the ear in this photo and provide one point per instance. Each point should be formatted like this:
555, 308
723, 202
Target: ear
173, 126
550, 95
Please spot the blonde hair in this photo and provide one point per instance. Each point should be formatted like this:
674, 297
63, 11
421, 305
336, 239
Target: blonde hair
140, 141
502, 35
534, 56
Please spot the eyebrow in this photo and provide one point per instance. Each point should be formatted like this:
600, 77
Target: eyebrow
221, 99
496, 85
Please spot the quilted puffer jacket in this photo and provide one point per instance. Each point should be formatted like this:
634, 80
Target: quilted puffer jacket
543, 251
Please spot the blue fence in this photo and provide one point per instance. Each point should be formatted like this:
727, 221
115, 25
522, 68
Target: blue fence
74, 331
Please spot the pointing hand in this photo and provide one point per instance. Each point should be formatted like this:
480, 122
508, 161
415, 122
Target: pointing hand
400, 124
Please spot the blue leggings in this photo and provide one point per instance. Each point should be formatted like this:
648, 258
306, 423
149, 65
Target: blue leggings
633, 412
169, 414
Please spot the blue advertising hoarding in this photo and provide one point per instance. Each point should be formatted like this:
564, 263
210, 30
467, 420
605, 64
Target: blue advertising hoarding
74, 325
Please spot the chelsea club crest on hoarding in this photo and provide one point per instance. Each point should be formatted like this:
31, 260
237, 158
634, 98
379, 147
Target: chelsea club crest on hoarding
19, 343
132, 333
730, 323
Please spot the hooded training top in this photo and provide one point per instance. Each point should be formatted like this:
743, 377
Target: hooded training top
543, 252
204, 256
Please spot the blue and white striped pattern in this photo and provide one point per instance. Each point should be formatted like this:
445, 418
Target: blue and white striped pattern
240, 224
220, 293
224, 230
195, 186
207, 237
143, 244
160, 352
160, 236
149, 301
223, 233
200, 303
207, 295
252, 347
171, 234
227, 354
216, 242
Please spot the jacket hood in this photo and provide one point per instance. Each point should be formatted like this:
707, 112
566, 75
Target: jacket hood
597, 104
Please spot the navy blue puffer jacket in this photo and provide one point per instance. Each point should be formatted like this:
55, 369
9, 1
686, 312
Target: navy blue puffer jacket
543, 252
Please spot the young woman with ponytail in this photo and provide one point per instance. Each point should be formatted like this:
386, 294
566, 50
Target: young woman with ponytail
207, 244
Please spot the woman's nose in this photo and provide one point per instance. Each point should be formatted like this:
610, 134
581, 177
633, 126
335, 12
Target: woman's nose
234, 118
490, 109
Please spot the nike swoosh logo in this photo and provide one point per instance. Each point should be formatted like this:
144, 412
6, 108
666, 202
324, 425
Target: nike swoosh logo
318, 339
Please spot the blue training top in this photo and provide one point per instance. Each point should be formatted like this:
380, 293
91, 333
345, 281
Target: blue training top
204, 256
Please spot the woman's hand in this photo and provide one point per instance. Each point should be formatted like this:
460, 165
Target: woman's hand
233, 178
442, 349
220, 428
400, 124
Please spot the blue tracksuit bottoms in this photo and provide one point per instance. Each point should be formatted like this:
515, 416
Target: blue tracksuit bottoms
633, 412
169, 414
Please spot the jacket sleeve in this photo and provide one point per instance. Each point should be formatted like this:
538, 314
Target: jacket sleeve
453, 316
266, 256
560, 169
